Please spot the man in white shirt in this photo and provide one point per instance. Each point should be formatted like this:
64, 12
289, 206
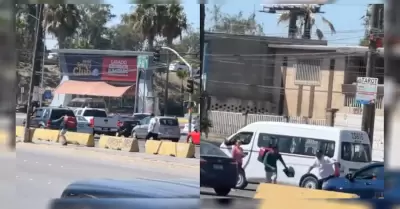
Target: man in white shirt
153, 128
326, 167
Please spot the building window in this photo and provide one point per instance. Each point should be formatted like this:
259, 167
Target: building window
308, 72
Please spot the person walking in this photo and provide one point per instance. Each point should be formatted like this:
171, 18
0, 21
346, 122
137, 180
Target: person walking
63, 129
326, 167
238, 155
153, 128
270, 164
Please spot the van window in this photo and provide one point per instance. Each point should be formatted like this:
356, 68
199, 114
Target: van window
296, 145
75, 104
245, 137
58, 113
356, 152
169, 122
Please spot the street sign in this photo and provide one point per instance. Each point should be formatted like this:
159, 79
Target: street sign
366, 90
143, 62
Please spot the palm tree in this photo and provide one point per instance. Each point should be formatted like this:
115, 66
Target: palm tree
147, 18
306, 22
62, 20
174, 23
182, 75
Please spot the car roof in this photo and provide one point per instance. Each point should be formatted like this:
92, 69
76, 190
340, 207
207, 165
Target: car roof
166, 117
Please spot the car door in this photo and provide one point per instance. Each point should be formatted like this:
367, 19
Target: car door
368, 183
141, 130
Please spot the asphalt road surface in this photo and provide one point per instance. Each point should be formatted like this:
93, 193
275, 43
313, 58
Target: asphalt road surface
8, 190
42, 173
249, 192
19, 118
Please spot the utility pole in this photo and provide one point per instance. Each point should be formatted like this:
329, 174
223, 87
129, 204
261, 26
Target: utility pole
368, 116
35, 66
166, 86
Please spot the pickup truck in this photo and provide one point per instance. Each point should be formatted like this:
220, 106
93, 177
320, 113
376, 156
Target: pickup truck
98, 120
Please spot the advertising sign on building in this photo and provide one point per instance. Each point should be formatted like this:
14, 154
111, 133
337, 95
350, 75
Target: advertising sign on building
119, 69
82, 66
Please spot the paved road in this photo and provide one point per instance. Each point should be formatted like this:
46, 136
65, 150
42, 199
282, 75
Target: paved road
8, 190
42, 173
249, 192
21, 116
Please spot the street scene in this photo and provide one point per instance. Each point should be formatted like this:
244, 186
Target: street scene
110, 108
296, 84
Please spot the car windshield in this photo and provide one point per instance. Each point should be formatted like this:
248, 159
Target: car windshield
169, 122
356, 152
58, 113
208, 149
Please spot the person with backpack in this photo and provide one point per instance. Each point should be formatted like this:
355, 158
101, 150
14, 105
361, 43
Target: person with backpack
270, 160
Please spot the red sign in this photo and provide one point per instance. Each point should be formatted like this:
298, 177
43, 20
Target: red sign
119, 69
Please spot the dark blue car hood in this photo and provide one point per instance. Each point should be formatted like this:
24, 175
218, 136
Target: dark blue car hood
137, 188
336, 183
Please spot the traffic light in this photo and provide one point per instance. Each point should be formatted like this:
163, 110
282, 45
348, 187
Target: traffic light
190, 85
156, 55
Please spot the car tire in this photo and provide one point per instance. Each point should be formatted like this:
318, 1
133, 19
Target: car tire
309, 182
222, 191
242, 181
175, 140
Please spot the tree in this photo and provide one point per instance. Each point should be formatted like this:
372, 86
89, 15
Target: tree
62, 20
123, 36
92, 31
174, 23
306, 21
182, 75
234, 24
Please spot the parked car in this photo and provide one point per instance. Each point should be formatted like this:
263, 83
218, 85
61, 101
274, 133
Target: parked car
83, 125
98, 120
140, 116
169, 128
44, 117
367, 182
125, 127
217, 170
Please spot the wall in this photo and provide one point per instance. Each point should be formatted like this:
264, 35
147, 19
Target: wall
241, 74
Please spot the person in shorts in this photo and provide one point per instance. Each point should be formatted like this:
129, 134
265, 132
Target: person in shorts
270, 164
153, 128
326, 167
63, 129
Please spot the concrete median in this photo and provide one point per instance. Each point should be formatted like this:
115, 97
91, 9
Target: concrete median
84, 139
168, 148
45, 134
274, 191
119, 143
20, 132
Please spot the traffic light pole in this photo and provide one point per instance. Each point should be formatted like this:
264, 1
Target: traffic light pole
191, 77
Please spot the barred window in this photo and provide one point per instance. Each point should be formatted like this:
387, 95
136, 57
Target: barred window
308, 72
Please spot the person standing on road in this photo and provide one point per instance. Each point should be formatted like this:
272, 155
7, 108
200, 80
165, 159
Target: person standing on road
153, 128
326, 167
237, 154
270, 164
63, 129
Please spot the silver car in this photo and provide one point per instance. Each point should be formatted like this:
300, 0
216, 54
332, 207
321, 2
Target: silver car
169, 128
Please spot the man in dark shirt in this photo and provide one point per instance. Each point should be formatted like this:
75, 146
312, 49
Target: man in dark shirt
270, 164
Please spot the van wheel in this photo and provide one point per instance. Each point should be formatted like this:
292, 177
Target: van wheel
222, 191
241, 181
309, 182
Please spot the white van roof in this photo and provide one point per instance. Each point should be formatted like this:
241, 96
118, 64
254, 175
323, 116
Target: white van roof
260, 124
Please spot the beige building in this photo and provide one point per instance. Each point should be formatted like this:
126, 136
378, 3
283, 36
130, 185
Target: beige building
314, 78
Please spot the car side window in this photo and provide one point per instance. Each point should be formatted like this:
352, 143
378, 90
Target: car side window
369, 173
46, 113
245, 137
145, 121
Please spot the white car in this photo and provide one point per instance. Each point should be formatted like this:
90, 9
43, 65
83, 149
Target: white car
185, 129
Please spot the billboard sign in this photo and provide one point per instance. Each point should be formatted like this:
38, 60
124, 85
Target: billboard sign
82, 66
119, 69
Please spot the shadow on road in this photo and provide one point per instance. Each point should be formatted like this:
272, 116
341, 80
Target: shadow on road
221, 197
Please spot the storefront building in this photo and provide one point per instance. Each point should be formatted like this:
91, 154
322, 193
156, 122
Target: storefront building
110, 74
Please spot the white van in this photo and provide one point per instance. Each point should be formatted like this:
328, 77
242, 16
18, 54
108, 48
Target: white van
297, 144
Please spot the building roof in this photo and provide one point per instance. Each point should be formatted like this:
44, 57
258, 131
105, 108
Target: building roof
343, 49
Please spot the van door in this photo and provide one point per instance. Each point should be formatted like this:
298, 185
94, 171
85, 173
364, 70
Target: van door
246, 138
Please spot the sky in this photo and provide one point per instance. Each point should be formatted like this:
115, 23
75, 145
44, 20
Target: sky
345, 16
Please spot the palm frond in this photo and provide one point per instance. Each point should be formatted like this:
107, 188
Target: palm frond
331, 26
284, 17
319, 34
